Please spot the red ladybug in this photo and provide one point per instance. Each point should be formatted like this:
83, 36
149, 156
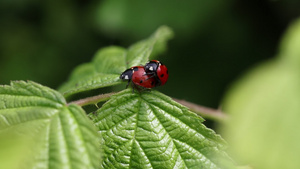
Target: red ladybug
159, 71
138, 77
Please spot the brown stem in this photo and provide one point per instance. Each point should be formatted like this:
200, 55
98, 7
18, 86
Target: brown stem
204, 112
93, 99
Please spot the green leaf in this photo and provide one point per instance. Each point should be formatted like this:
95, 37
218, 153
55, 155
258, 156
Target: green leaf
54, 135
150, 130
103, 71
110, 62
14, 150
289, 49
264, 110
139, 53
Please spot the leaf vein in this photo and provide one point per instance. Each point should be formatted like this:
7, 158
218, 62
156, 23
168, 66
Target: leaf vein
154, 112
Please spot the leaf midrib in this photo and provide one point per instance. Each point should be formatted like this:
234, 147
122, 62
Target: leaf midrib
167, 132
134, 136
172, 139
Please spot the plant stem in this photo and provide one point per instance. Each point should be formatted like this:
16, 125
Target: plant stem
93, 99
205, 112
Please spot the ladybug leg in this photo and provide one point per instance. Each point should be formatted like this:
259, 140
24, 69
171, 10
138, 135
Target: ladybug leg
149, 73
158, 82
148, 90
144, 89
133, 87
138, 88
128, 83
151, 76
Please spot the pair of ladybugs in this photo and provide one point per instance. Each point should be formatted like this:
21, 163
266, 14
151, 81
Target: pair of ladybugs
153, 74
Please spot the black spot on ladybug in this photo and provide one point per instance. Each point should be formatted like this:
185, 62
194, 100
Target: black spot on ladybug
141, 81
162, 75
167, 71
152, 83
135, 68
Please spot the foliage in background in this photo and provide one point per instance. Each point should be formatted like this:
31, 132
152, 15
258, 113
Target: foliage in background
215, 40
110, 62
263, 130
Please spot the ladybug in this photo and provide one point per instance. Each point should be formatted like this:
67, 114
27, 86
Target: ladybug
138, 77
159, 71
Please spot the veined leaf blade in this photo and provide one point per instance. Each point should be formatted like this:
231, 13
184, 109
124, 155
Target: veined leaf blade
58, 136
149, 130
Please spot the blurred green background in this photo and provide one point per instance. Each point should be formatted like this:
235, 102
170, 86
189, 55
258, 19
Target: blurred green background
215, 41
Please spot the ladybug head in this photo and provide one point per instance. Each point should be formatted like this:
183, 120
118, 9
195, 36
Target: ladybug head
127, 74
151, 66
